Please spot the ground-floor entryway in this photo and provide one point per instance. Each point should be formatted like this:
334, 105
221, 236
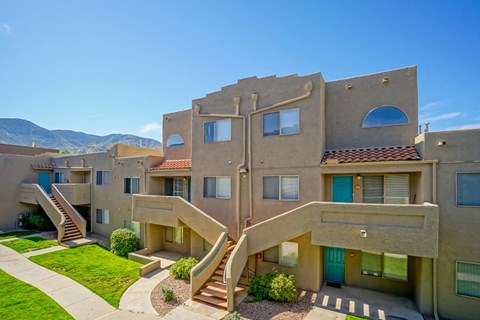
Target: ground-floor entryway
363, 303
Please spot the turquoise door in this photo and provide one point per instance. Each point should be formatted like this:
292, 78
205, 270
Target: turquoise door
334, 265
342, 190
44, 181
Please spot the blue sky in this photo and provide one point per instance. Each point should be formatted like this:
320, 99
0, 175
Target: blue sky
116, 66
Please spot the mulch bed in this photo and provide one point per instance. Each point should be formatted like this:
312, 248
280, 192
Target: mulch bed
277, 311
181, 288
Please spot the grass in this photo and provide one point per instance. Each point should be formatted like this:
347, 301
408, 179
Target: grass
19, 300
16, 234
350, 317
95, 267
29, 244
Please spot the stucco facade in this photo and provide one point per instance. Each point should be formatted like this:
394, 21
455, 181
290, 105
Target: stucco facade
301, 165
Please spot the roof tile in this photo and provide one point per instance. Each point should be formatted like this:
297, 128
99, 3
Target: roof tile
173, 165
400, 153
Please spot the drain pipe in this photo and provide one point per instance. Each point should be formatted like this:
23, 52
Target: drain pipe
236, 100
308, 92
435, 270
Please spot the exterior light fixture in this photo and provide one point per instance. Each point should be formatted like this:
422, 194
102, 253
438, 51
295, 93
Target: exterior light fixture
359, 177
363, 233
349, 86
441, 143
385, 80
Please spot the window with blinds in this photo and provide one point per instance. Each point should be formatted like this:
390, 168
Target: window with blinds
280, 188
391, 189
468, 279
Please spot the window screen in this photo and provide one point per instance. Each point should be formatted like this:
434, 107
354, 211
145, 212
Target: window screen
373, 189
289, 188
397, 189
271, 255
372, 263
468, 189
271, 188
468, 279
395, 266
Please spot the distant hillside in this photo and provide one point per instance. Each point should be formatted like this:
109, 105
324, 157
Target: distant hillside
23, 132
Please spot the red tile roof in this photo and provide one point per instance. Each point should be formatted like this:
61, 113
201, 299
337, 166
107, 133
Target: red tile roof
42, 166
173, 165
401, 153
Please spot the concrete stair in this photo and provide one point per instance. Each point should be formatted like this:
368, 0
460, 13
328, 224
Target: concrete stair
71, 230
214, 292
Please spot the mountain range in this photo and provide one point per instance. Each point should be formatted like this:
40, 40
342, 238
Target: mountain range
23, 132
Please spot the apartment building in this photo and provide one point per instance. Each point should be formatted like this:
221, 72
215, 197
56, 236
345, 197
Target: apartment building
329, 181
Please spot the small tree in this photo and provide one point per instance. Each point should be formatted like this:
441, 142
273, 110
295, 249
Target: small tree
123, 241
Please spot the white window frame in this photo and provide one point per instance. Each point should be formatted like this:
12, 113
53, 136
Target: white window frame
456, 189
384, 176
216, 187
61, 177
280, 255
105, 177
174, 233
280, 187
105, 216
131, 191
215, 137
456, 279
178, 193
280, 133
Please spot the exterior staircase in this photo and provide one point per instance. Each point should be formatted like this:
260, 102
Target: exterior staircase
71, 230
214, 292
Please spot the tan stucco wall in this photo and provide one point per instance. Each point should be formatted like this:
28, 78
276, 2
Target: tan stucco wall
346, 109
183, 248
181, 123
196, 246
154, 237
15, 170
24, 150
308, 273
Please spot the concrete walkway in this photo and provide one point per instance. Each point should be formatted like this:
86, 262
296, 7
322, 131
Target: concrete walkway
137, 297
42, 251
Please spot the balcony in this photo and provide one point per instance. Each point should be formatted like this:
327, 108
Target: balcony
77, 194
403, 229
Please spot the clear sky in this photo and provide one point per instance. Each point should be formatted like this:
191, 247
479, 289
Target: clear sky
116, 66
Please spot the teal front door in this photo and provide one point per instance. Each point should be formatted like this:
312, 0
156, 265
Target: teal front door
342, 189
334, 265
44, 181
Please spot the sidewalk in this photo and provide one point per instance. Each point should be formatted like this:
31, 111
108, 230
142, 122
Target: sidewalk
77, 300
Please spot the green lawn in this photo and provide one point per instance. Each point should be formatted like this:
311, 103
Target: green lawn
94, 267
350, 317
19, 300
29, 244
16, 234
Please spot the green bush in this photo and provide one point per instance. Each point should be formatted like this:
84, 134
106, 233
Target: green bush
274, 286
167, 294
123, 241
36, 221
283, 288
181, 268
234, 316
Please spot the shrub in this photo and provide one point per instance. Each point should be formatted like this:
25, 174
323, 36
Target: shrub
181, 268
167, 294
123, 241
274, 286
36, 221
283, 288
234, 316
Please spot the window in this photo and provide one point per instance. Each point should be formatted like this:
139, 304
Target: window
384, 116
131, 185
468, 279
392, 189
389, 265
178, 187
207, 246
285, 254
216, 131
59, 177
280, 188
103, 216
281, 123
217, 187
468, 189
103, 177
132, 225
174, 235
175, 140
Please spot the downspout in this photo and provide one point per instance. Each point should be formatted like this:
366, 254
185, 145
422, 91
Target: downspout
236, 101
308, 92
435, 271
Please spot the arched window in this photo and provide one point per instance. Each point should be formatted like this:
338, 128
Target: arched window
175, 140
384, 116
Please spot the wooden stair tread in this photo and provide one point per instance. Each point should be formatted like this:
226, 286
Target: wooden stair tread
211, 300
215, 293
217, 278
219, 272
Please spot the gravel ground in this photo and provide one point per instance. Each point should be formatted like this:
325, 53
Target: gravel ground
277, 311
181, 288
